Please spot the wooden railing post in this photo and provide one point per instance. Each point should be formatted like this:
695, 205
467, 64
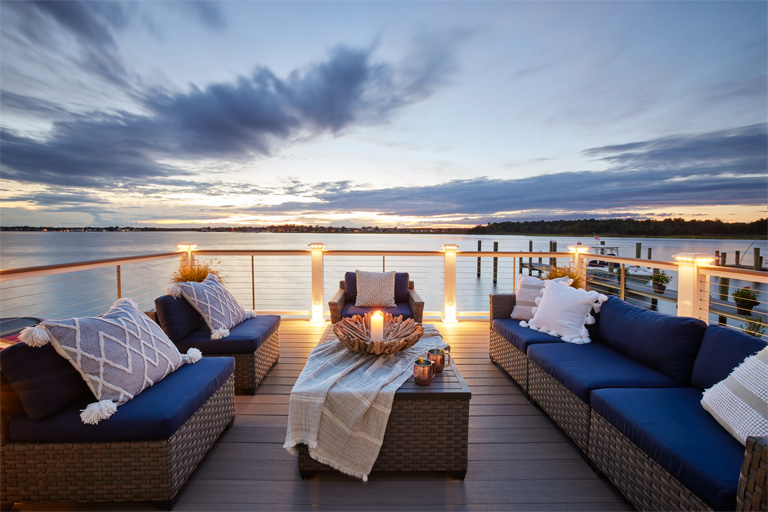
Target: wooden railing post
119, 284
692, 285
317, 282
449, 288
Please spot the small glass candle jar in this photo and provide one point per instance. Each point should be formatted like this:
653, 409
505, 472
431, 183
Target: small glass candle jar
441, 358
423, 371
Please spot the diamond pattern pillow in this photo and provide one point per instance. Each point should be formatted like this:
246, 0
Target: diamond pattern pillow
218, 307
375, 289
119, 354
740, 401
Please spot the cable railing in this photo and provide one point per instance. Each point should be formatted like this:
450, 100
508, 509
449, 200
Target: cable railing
453, 284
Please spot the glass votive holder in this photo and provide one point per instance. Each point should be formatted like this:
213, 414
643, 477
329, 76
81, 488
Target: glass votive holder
423, 371
441, 357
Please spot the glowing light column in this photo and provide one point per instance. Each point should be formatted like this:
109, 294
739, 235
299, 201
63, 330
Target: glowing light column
317, 283
190, 257
449, 316
579, 261
692, 286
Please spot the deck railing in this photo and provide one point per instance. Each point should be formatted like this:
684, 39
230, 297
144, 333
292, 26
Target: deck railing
454, 284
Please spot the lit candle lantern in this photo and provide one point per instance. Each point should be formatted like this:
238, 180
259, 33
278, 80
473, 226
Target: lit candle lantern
377, 327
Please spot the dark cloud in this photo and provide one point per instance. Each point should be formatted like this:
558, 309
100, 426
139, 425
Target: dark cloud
91, 23
207, 13
227, 120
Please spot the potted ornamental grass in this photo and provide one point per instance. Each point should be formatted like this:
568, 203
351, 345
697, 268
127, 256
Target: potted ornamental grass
197, 272
746, 299
660, 281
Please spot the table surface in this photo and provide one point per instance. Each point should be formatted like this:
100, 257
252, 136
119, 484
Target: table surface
448, 384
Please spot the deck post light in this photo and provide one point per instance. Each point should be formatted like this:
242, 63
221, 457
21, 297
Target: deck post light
449, 315
190, 257
692, 286
579, 261
317, 283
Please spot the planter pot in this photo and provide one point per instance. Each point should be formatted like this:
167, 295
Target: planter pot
659, 288
744, 307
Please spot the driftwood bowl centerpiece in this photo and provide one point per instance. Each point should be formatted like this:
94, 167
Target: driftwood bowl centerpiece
399, 334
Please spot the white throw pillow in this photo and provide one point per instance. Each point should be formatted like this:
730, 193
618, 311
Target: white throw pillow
119, 354
564, 312
529, 288
740, 401
375, 289
216, 305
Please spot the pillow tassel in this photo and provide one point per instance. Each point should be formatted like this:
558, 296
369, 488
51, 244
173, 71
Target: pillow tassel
174, 291
35, 336
596, 306
98, 411
250, 314
130, 302
523, 323
220, 333
192, 356
590, 320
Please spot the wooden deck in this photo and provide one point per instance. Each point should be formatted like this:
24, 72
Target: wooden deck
518, 458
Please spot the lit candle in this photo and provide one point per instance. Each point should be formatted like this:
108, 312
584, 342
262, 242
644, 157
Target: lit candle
377, 327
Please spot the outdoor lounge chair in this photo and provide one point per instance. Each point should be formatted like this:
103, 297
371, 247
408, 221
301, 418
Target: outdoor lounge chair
407, 300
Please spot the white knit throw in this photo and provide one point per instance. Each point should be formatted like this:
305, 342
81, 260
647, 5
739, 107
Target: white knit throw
341, 402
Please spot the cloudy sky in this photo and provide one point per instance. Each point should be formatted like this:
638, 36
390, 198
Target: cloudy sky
163, 113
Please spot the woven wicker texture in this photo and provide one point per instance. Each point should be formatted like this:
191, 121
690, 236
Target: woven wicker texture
565, 408
502, 305
510, 358
753, 481
118, 471
646, 484
251, 368
336, 304
416, 443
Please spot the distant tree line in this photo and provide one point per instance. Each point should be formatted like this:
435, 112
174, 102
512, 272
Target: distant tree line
628, 227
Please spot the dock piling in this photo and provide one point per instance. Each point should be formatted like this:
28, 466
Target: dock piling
495, 264
479, 258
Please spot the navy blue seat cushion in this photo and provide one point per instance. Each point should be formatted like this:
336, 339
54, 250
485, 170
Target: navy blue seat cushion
672, 427
177, 317
583, 368
667, 343
44, 381
401, 308
722, 350
521, 337
243, 338
401, 288
156, 413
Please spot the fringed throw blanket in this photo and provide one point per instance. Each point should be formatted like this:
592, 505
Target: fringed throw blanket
341, 402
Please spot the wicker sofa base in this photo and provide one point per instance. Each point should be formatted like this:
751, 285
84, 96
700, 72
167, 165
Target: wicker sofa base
566, 409
646, 484
126, 471
251, 368
511, 359
437, 444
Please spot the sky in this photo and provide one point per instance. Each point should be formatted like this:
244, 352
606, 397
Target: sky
396, 113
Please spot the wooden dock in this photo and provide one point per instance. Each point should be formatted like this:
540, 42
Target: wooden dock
518, 458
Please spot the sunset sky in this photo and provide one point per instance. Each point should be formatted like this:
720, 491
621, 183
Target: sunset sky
363, 113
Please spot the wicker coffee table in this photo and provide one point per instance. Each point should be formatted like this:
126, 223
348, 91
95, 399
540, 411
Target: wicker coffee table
413, 442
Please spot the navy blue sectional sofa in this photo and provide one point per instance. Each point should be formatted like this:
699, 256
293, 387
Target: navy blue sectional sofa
630, 400
145, 452
254, 343
408, 303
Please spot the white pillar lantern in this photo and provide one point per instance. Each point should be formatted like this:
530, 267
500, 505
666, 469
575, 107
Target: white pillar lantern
449, 315
579, 261
190, 257
317, 282
692, 286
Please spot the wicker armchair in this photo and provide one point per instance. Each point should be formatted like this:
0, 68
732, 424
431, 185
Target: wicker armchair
342, 304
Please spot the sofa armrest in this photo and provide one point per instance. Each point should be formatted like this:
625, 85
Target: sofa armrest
10, 406
336, 304
502, 305
416, 304
753, 482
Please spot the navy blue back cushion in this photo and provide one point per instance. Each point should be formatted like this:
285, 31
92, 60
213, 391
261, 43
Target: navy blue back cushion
177, 317
401, 287
667, 343
722, 350
44, 381
156, 413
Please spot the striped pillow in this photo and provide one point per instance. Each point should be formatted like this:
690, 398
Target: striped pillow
528, 289
740, 401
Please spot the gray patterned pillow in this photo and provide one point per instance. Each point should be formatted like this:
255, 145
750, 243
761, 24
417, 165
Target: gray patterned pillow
375, 289
216, 305
119, 354
528, 289
740, 401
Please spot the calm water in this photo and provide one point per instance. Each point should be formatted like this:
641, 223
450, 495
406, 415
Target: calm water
281, 284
